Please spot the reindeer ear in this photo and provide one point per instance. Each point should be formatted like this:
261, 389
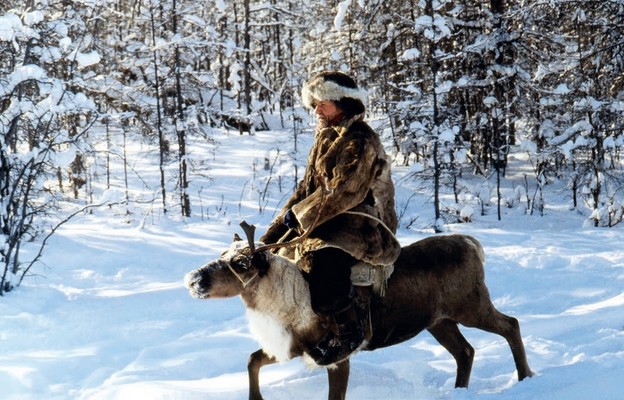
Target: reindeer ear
260, 260
237, 238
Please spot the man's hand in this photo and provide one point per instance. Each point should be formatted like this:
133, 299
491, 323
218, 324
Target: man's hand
290, 220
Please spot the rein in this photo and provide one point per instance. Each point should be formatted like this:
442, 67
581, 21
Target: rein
249, 231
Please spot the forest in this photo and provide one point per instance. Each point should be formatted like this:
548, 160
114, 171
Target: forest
456, 87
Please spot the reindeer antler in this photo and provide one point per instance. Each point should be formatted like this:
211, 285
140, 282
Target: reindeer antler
250, 231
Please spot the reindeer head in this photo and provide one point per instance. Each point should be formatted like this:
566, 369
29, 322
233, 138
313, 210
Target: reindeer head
229, 275
236, 268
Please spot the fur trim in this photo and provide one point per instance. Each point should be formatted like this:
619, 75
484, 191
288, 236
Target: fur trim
321, 89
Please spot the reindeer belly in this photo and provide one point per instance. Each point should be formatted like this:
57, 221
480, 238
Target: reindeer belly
271, 333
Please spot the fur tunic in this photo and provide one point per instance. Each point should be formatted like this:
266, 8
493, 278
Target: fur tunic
347, 170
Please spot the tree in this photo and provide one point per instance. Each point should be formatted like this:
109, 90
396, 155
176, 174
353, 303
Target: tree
580, 120
43, 123
455, 85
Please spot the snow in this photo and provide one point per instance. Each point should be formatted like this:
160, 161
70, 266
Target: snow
220, 5
10, 24
341, 13
106, 315
34, 17
434, 28
562, 89
85, 60
20, 74
410, 54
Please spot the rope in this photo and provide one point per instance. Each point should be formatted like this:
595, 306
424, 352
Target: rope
241, 279
362, 214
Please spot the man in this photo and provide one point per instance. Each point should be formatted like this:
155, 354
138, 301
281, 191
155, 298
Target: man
346, 198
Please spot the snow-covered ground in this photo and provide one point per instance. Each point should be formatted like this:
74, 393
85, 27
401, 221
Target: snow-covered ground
107, 316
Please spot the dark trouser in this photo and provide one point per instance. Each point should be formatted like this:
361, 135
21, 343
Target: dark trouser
332, 295
330, 280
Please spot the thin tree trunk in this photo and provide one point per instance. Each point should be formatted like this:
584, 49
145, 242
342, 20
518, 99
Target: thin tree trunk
247, 63
159, 127
185, 203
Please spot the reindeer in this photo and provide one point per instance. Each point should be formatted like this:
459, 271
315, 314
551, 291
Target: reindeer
437, 283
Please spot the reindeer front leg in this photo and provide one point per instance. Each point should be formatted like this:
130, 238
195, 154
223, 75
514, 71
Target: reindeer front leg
257, 360
338, 376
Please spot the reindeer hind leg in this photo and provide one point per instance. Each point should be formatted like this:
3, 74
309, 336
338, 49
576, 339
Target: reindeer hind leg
448, 335
492, 320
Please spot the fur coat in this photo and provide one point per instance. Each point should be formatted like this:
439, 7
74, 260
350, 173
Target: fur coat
347, 170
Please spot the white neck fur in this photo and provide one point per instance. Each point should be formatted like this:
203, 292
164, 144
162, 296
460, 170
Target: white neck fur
281, 306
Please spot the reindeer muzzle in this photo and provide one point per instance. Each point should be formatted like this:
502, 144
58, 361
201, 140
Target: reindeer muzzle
196, 284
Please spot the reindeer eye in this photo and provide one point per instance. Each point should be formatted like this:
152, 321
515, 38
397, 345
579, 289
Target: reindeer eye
240, 262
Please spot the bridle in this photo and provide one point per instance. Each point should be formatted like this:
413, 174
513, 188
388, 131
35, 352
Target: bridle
241, 279
249, 232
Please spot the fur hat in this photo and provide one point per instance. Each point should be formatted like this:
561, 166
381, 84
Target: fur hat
332, 85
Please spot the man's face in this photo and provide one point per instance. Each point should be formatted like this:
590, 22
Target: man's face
326, 110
